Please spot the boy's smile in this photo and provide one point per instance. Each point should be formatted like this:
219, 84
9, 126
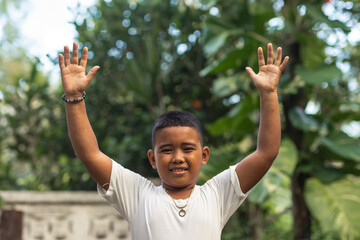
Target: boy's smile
178, 157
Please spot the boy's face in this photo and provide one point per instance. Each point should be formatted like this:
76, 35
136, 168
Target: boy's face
178, 156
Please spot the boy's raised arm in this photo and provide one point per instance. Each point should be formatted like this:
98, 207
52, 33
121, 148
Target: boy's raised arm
252, 168
74, 82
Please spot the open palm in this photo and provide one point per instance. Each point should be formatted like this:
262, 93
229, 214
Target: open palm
268, 77
73, 75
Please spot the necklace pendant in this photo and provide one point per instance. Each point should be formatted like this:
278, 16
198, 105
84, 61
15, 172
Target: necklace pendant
182, 213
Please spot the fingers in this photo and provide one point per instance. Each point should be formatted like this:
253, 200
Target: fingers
284, 63
75, 54
61, 62
66, 55
270, 57
261, 57
278, 56
84, 56
92, 73
250, 72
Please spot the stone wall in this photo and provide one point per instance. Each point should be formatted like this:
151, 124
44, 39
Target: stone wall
66, 216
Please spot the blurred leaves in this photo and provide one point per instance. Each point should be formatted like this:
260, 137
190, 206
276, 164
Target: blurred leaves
238, 122
319, 75
231, 60
343, 145
278, 178
335, 206
226, 86
300, 120
35, 126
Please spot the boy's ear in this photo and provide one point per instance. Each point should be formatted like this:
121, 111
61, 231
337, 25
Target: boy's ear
205, 155
151, 157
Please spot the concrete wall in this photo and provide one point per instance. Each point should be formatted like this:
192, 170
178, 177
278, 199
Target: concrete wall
66, 216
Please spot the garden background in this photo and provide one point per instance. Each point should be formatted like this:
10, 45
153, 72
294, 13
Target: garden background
191, 55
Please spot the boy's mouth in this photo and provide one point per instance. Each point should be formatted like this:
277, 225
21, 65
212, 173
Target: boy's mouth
178, 170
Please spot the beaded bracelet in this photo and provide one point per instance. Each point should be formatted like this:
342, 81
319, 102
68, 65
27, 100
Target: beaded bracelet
74, 100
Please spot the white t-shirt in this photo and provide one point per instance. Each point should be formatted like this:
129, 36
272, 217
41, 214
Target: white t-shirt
152, 214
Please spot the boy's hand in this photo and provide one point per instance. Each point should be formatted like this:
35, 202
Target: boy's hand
73, 76
268, 77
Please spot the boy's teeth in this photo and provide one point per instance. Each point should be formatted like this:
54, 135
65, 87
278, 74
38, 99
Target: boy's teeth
178, 170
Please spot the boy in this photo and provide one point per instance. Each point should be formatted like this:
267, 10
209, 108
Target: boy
178, 209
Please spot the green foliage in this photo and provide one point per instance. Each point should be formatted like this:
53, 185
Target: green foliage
220, 159
335, 206
33, 134
225, 86
302, 121
239, 121
36, 150
10, 31
343, 145
319, 75
278, 178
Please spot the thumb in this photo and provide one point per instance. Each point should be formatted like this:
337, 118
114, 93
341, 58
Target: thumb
92, 73
250, 72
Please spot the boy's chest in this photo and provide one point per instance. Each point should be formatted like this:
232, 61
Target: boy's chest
163, 216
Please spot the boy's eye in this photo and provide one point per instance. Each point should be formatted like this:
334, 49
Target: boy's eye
165, 150
188, 149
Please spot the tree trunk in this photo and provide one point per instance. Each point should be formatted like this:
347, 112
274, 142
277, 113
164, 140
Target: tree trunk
255, 216
301, 213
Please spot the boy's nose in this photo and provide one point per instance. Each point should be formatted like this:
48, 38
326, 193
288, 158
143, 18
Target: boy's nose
178, 157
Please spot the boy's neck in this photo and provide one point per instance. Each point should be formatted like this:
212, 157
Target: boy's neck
179, 193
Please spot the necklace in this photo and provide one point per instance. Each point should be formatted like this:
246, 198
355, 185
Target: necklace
182, 212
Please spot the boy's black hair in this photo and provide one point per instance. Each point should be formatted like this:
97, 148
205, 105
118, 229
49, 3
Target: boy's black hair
177, 119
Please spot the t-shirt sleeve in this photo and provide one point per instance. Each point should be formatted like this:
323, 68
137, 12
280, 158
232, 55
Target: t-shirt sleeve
228, 191
124, 189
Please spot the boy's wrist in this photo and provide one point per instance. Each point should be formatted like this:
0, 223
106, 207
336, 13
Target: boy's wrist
268, 92
74, 94
74, 98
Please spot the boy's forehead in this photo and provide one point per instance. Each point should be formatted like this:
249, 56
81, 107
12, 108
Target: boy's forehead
176, 133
